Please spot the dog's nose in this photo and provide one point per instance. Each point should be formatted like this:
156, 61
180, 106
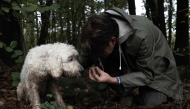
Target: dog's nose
81, 69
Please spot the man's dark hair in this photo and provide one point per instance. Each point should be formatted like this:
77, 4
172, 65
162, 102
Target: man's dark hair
97, 32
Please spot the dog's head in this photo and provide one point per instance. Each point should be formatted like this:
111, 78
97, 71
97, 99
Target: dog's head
70, 64
63, 61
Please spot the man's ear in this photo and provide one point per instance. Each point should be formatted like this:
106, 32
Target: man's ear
114, 40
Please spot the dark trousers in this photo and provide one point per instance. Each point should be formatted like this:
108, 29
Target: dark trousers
146, 96
149, 96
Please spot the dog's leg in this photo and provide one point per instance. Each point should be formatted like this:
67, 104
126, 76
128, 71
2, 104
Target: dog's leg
33, 94
54, 89
20, 92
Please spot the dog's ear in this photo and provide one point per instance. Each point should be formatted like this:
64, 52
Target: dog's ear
54, 65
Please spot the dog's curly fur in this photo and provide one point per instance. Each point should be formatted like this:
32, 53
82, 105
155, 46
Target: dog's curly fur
43, 66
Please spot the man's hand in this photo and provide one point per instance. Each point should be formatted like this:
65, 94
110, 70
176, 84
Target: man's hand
96, 74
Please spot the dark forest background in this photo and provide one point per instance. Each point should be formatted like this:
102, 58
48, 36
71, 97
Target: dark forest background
36, 22
28, 23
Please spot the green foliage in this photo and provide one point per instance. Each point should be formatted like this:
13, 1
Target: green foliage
17, 55
102, 86
1, 44
49, 95
15, 6
85, 99
18, 52
50, 105
20, 60
42, 9
13, 44
25, 9
8, 49
54, 7
5, 9
16, 78
29, 6
9, 1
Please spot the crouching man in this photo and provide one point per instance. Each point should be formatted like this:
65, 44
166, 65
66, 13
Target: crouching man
135, 51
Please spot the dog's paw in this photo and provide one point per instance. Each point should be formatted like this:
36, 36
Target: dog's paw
37, 106
62, 104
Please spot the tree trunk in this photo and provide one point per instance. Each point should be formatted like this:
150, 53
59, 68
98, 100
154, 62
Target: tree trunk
92, 7
147, 10
182, 33
54, 38
68, 31
60, 37
132, 10
161, 18
151, 7
45, 24
170, 11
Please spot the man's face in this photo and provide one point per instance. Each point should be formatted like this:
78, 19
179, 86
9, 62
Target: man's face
109, 49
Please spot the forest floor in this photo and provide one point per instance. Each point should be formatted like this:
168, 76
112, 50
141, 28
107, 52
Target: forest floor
8, 96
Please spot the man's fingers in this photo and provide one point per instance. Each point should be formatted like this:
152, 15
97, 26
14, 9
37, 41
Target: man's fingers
91, 76
95, 75
99, 70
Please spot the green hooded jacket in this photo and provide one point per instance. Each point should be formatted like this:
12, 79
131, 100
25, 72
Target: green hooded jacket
144, 56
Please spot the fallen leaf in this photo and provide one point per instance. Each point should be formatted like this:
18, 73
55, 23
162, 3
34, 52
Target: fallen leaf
2, 102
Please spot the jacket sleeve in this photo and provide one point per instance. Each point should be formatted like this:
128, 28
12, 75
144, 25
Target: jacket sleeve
143, 50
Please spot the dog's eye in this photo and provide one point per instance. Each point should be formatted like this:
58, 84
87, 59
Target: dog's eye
70, 59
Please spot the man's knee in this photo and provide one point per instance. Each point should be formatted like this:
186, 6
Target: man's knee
149, 96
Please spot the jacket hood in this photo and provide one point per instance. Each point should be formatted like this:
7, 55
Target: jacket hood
125, 29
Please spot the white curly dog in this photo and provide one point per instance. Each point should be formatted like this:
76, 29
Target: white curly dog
43, 66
